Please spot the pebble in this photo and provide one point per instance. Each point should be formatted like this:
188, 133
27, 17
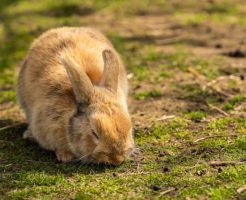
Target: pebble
161, 154
155, 187
166, 169
219, 170
242, 77
218, 46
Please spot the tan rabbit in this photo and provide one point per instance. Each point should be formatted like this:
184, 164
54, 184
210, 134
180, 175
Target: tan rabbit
73, 88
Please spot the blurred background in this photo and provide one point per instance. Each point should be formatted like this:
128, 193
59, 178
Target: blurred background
186, 64
142, 31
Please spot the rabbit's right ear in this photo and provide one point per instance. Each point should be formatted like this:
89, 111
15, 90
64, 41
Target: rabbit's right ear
82, 85
111, 70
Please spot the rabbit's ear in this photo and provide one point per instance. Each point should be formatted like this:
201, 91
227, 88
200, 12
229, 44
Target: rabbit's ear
82, 85
111, 70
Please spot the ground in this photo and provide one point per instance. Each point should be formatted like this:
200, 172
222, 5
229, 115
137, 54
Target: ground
186, 63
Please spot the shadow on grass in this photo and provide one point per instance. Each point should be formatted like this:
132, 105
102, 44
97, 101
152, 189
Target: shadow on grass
19, 158
64, 10
60, 10
6, 3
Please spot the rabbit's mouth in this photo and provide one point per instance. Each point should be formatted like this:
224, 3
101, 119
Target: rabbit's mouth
113, 160
102, 157
100, 160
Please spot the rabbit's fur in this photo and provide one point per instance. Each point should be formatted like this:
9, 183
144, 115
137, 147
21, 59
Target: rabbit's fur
73, 88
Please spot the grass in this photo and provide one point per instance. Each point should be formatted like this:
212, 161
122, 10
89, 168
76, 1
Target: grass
233, 101
196, 116
46, 178
161, 85
146, 94
208, 68
218, 12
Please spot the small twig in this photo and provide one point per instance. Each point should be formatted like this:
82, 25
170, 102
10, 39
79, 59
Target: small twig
10, 126
164, 117
138, 166
219, 110
221, 92
39, 161
26, 160
198, 164
167, 191
5, 141
129, 76
197, 74
241, 189
213, 82
214, 136
224, 163
6, 106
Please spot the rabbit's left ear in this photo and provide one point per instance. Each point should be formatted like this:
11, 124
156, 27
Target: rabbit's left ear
81, 83
111, 70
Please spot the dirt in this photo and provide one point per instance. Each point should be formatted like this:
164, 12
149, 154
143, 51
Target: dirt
206, 40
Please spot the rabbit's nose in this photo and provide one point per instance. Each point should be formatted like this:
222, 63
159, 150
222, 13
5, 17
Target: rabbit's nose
118, 160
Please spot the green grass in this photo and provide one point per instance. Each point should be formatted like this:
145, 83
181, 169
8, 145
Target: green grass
169, 156
27, 174
208, 68
196, 116
151, 93
233, 101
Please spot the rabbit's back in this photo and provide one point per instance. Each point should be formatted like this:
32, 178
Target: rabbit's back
42, 76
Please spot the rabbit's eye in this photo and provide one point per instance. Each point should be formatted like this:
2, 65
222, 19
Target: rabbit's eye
94, 133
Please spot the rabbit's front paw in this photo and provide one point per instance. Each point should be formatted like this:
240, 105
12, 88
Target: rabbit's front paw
64, 155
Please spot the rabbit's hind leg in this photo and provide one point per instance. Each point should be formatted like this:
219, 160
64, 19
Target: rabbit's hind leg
28, 134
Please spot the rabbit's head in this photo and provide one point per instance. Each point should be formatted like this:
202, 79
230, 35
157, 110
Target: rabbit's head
100, 130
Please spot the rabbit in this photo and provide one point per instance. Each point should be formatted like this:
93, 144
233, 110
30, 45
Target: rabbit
73, 89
